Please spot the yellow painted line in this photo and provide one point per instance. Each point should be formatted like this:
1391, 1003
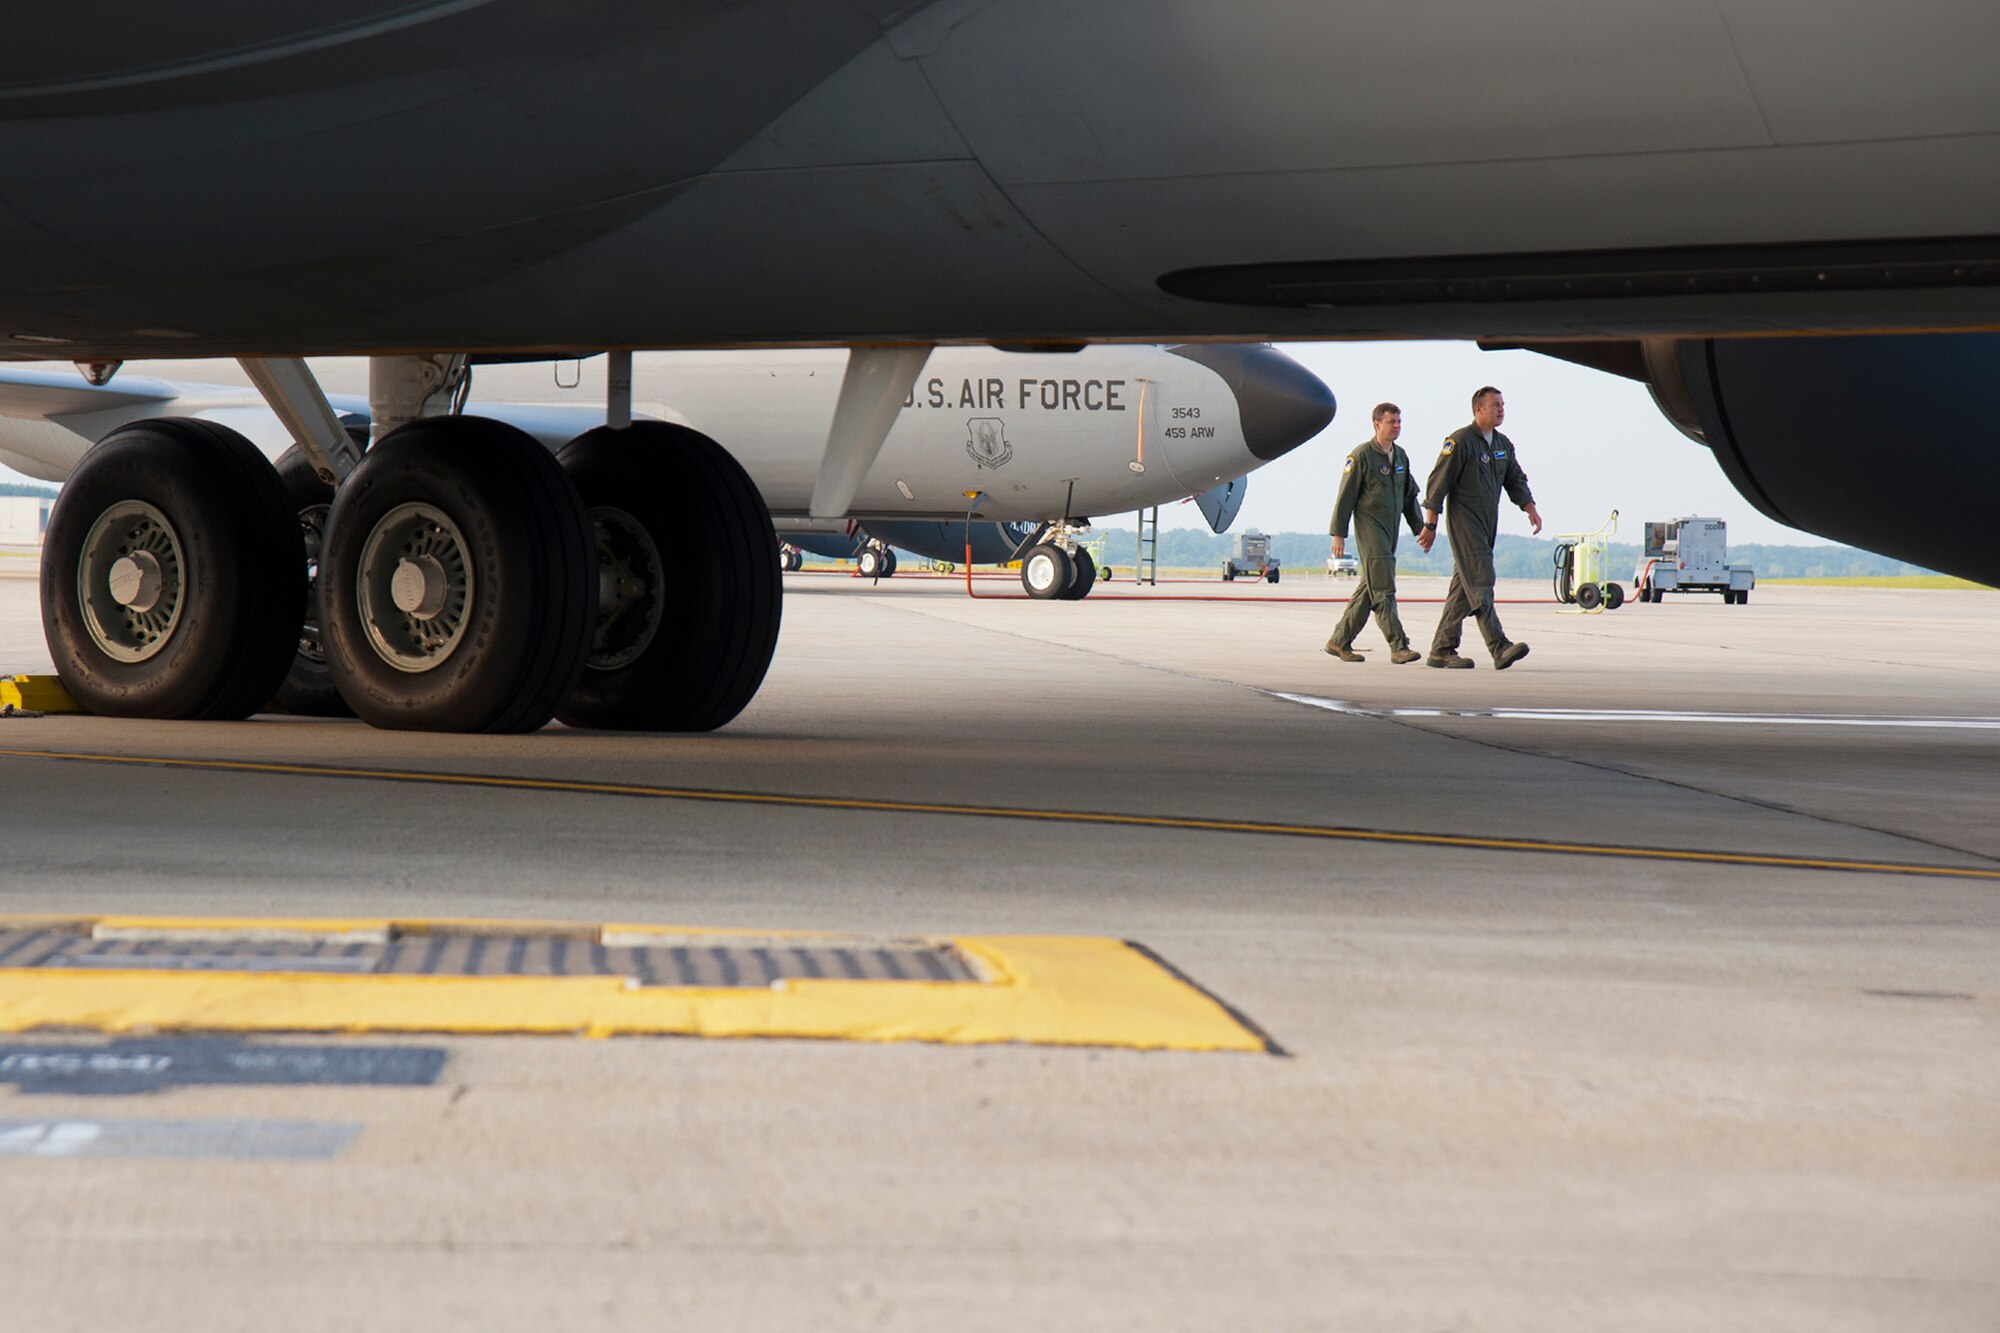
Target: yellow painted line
1182, 823
1040, 990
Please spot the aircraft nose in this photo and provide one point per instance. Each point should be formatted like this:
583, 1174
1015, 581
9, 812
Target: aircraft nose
1280, 402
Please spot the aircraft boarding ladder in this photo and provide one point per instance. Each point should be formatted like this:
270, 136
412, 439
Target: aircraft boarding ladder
1146, 568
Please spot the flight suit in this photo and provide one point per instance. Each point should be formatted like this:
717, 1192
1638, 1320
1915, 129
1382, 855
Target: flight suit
1375, 490
1466, 485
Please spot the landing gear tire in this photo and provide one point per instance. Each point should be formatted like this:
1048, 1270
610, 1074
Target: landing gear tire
1589, 596
1229, 573
673, 650
172, 575
308, 689
1082, 578
1046, 572
888, 563
1270, 576
457, 582
1614, 596
871, 563
791, 560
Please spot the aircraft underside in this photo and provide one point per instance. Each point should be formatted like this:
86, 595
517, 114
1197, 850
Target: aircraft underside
376, 176
1679, 188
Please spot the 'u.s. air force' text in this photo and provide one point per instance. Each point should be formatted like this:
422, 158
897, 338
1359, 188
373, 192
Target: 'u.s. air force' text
1052, 395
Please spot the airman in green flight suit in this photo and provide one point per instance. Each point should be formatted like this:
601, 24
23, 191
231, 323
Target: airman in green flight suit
1475, 466
1376, 489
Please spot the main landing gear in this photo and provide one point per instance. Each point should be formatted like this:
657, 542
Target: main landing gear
467, 579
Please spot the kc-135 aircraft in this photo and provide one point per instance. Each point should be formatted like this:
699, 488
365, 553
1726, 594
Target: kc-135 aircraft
1032, 443
1778, 216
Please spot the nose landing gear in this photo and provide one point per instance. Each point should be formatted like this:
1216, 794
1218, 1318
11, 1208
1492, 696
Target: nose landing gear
1058, 567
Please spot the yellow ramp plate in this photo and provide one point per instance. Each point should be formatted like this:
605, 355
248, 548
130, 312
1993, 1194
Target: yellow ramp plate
139, 974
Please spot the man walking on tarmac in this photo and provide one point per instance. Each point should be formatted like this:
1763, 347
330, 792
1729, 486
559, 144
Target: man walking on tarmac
1376, 489
1477, 463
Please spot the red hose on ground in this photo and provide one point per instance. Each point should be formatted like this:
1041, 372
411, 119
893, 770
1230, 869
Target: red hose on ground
1247, 597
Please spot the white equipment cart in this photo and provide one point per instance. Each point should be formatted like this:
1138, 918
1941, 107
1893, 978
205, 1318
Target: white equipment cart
1250, 553
1691, 555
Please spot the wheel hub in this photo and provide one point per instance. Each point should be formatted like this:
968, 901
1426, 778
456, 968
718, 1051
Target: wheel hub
135, 581
131, 581
629, 601
419, 587
415, 593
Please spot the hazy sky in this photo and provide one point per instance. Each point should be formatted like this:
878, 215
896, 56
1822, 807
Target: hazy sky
1590, 442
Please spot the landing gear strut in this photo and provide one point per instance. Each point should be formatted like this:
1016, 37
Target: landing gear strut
308, 689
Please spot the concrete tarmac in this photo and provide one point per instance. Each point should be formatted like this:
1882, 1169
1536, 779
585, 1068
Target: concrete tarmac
1522, 1089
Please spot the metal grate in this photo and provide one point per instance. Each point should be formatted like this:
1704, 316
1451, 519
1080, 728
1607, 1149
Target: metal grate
691, 961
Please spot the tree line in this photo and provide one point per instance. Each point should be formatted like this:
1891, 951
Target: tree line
1514, 557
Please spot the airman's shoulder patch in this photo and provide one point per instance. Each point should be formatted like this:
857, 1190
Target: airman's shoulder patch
1449, 445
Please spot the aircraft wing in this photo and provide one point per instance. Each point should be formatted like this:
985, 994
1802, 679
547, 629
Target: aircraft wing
50, 415
41, 392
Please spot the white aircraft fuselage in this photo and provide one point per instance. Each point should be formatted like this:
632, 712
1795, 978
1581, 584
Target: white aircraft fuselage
1103, 430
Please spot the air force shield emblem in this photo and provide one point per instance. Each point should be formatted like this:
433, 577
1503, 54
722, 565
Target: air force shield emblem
986, 441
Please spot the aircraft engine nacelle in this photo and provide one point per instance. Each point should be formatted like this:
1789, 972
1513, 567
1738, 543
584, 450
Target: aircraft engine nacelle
1881, 442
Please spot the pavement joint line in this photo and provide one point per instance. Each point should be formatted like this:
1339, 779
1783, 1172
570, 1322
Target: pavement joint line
1488, 741
1511, 713
1102, 818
